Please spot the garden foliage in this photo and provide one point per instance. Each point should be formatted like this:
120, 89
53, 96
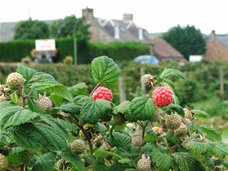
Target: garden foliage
36, 140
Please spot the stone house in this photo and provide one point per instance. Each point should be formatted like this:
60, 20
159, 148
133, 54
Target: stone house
110, 30
217, 47
164, 51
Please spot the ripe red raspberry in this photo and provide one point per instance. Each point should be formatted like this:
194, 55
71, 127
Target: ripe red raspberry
162, 96
103, 93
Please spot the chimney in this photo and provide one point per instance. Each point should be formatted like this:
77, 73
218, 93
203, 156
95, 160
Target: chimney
127, 17
212, 36
87, 13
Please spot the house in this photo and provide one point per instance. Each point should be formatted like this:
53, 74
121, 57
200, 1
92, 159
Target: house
217, 47
110, 30
164, 51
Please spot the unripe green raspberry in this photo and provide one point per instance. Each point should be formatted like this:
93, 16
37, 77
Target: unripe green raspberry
144, 164
173, 121
15, 81
119, 119
188, 113
3, 163
182, 130
78, 146
136, 140
44, 103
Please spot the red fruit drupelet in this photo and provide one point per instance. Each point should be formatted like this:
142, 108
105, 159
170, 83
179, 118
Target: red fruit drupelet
162, 96
103, 93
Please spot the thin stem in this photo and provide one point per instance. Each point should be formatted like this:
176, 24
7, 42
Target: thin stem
153, 83
28, 94
133, 162
143, 134
33, 97
85, 133
94, 89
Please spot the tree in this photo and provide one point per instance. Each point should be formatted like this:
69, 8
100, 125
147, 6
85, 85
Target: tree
187, 40
31, 29
70, 26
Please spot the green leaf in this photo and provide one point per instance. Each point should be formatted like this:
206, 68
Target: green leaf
117, 166
124, 108
122, 140
5, 138
208, 161
122, 152
100, 128
99, 164
171, 137
170, 82
5, 104
80, 99
37, 136
224, 136
26, 72
56, 125
45, 162
57, 100
74, 159
197, 147
143, 108
200, 113
105, 70
18, 156
68, 125
14, 97
162, 160
196, 130
99, 153
219, 150
53, 87
211, 132
78, 89
92, 110
174, 108
146, 149
15, 115
168, 72
186, 162
70, 108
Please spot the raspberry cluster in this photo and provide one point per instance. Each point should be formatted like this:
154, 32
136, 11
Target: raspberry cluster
162, 96
103, 93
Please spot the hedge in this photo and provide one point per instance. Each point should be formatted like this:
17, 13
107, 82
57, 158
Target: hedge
14, 51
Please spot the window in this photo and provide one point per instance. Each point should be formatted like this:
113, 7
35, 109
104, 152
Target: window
116, 32
140, 34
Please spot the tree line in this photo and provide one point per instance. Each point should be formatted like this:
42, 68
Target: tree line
70, 26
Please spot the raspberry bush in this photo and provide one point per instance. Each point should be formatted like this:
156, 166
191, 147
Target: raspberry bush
47, 126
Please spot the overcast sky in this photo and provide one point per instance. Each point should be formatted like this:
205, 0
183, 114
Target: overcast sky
153, 15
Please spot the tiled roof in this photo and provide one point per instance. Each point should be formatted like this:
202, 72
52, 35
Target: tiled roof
128, 30
223, 40
164, 49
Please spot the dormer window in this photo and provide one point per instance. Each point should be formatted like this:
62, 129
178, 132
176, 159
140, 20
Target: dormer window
116, 32
140, 34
